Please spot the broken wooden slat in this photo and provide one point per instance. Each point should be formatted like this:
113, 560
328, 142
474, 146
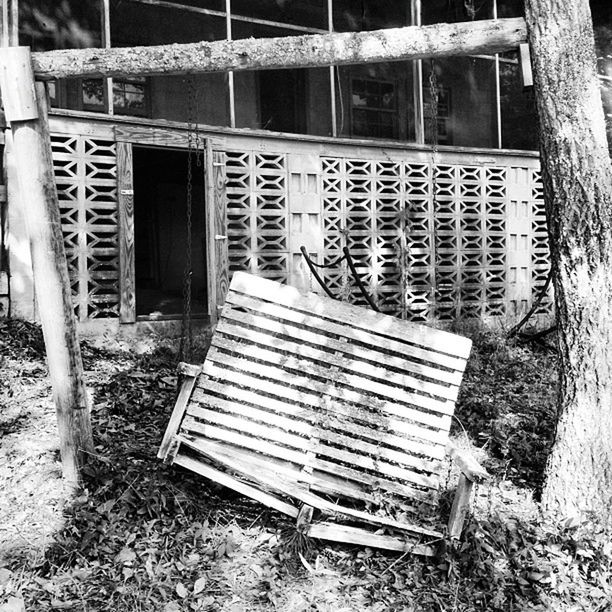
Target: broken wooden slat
269, 479
261, 432
319, 481
374, 482
355, 535
233, 483
190, 372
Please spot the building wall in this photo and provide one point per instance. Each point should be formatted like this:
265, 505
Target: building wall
458, 236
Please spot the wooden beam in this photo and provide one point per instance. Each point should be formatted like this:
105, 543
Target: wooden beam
340, 48
37, 196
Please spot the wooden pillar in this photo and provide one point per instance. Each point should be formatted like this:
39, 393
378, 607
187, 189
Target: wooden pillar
25, 107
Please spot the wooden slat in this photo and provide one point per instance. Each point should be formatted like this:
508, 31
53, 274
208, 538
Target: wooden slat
233, 483
369, 371
241, 325
349, 382
317, 481
354, 316
251, 387
278, 436
334, 437
274, 481
377, 482
177, 415
301, 420
362, 537
310, 322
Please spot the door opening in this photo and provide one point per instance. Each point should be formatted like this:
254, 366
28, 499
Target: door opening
160, 233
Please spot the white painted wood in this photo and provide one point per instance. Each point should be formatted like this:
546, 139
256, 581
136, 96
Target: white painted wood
347, 404
362, 537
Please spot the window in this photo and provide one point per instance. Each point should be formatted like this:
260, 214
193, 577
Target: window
130, 96
373, 108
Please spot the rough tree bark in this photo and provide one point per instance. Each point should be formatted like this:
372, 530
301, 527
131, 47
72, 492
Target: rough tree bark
339, 48
578, 195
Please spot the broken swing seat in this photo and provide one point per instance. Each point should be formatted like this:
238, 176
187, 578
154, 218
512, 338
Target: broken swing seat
307, 403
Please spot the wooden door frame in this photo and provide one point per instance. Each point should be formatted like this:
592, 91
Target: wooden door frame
164, 138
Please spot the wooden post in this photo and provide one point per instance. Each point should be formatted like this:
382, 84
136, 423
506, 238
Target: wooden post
25, 107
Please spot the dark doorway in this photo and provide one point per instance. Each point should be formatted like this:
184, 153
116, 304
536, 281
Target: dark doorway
160, 232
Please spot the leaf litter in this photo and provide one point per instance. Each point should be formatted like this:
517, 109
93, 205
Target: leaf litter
141, 535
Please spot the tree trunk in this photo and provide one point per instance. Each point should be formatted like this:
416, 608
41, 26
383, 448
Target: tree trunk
578, 195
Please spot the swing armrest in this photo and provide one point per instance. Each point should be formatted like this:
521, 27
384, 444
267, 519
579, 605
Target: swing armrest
471, 472
466, 462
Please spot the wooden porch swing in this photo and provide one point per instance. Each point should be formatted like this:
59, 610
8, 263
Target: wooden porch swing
307, 405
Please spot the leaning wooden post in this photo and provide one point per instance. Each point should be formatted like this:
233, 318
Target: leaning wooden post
25, 108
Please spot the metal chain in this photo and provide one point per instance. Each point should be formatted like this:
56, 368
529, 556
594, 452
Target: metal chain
433, 118
186, 344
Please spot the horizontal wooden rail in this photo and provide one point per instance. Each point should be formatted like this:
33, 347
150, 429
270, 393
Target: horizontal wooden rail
338, 48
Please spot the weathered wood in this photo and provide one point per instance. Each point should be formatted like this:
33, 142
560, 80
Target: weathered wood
269, 479
17, 84
303, 355
37, 196
178, 412
347, 351
304, 518
460, 507
350, 405
341, 391
297, 413
237, 485
127, 255
279, 434
525, 59
221, 426
394, 44
375, 482
362, 537
466, 463
370, 326
325, 483
302, 420
216, 219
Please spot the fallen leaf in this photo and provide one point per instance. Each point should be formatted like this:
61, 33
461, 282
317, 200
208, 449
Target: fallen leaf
199, 585
181, 590
13, 604
5, 575
125, 555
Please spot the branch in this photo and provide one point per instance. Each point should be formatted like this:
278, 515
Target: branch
394, 44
